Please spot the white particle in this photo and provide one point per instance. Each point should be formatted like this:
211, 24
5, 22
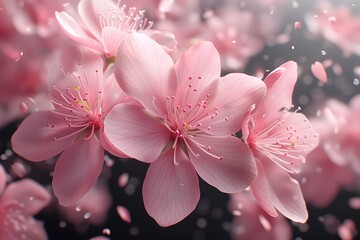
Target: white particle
236, 213
295, 4
87, 215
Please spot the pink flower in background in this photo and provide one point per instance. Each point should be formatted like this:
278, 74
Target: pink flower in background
74, 127
102, 26
343, 135
19, 202
335, 158
280, 140
337, 24
92, 208
320, 178
232, 32
184, 124
252, 222
31, 17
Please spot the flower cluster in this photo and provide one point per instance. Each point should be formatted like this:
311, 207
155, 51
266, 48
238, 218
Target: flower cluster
156, 92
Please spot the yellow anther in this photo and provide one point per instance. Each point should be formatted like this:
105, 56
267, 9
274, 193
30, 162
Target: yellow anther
186, 127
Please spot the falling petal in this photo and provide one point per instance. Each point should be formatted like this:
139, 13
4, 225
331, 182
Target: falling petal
124, 214
327, 63
19, 169
337, 69
297, 25
347, 230
23, 108
318, 70
123, 180
265, 223
355, 203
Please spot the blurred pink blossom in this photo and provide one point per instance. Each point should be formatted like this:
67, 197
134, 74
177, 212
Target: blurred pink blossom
337, 24
92, 208
252, 222
321, 178
343, 135
30, 17
19, 202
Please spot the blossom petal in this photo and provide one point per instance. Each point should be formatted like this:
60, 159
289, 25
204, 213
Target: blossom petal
72, 29
90, 16
285, 192
280, 85
165, 39
196, 69
260, 189
86, 76
170, 192
112, 38
108, 146
34, 132
319, 71
229, 165
113, 94
235, 95
17, 224
133, 131
27, 193
145, 72
77, 169
288, 143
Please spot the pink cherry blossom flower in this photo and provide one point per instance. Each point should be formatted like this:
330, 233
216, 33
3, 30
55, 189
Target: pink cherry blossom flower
102, 25
19, 202
280, 140
184, 125
74, 127
252, 222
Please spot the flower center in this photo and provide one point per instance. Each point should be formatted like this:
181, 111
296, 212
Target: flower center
123, 18
183, 117
284, 141
77, 111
